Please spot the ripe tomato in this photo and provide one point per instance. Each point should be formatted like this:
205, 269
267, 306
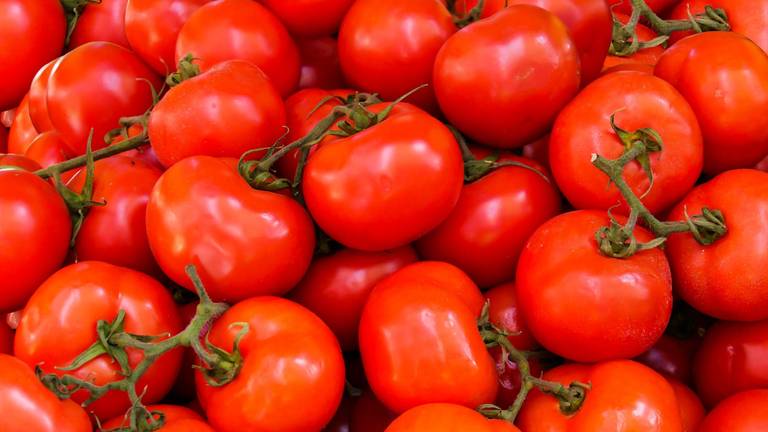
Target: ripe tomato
369, 414
746, 17
495, 83
336, 287
444, 417
31, 407
729, 278
241, 29
625, 397
646, 56
504, 312
248, 113
22, 130
6, 338
101, 22
14, 160
32, 34
742, 412
691, 409
290, 359
585, 306
320, 66
47, 149
94, 85
638, 101
724, 76
38, 98
492, 220
201, 210
177, 419
310, 18
671, 357
67, 307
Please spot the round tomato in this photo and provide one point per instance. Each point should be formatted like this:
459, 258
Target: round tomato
444, 417
310, 18
646, 56
745, 17
691, 409
671, 357
38, 98
320, 67
742, 412
22, 130
177, 419
369, 414
101, 22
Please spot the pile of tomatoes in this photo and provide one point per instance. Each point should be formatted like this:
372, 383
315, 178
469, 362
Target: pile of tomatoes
384, 215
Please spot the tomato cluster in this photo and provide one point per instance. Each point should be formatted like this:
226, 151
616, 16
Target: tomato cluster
384, 215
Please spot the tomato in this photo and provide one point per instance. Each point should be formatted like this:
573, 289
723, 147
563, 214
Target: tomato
370, 415
388, 66
201, 212
336, 287
14, 160
101, 22
724, 76
290, 359
443, 417
671, 357
745, 17
22, 130
419, 340
691, 410
93, 86
729, 278
585, 306
67, 307
388, 185
496, 84
6, 338
241, 29
490, 224
504, 312
625, 6
638, 101
320, 67
177, 419
32, 34
310, 18
743, 412
625, 397
38, 98
31, 407
48, 149
35, 231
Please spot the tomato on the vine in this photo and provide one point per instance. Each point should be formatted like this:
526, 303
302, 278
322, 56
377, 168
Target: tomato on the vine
102, 21
745, 17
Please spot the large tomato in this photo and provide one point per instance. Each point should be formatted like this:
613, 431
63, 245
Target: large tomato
290, 359
746, 17
445, 417
67, 307
245, 242
22, 130
742, 412
245, 30
320, 66
310, 18
729, 278
101, 22
585, 306
38, 98
691, 409
177, 419
637, 100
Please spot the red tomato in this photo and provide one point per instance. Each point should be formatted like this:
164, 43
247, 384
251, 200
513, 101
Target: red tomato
67, 307
388, 185
31, 407
443, 417
490, 224
177, 419
691, 410
32, 34
290, 359
241, 29
671, 357
388, 66
320, 67
248, 113
625, 6
743, 412
497, 84
48, 149
310, 18
93, 86
35, 231
505, 313
152, 27
369, 414
585, 306
745, 17
625, 397
647, 56
101, 22
38, 98
724, 76
22, 130
14, 160
201, 210
336, 287
6, 338
727, 279
638, 101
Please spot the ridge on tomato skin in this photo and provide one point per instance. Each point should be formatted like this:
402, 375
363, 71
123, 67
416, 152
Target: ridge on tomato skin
38, 98
742, 412
22, 132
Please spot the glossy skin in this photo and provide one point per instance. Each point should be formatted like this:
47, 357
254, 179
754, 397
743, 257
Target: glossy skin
336, 287
370, 415
93, 86
35, 229
38, 98
625, 397
647, 56
386, 186
310, 18
671, 357
33, 34
728, 279
67, 307
320, 66
103, 21
419, 343
493, 219
745, 17
638, 101
22, 130
724, 76
177, 419
443, 417
585, 306
691, 409
241, 29
743, 412
374, 56
202, 204
290, 359
231, 108
14, 160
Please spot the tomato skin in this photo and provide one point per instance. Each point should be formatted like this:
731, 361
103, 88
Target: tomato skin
742, 412
310, 18
585, 306
47, 149
15, 160
94, 85
671, 357
245, 30
509, 376
618, 389
691, 409
289, 352
101, 22
248, 113
35, 229
647, 56
177, 419
38, 98
320, 65
504, 312
202, 203
336, 287
745, 17
441, 417
734, 288
730, 69
369, 414
68, 305
22, 130
637, 100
